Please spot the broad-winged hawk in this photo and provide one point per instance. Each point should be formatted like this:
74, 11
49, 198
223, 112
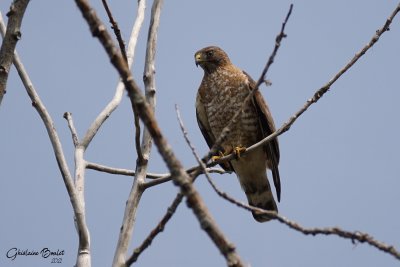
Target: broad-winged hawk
222, 92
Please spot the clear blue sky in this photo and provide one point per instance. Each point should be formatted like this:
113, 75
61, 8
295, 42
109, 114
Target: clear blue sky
339, 162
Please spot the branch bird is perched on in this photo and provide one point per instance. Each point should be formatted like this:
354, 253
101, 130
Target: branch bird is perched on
221, 94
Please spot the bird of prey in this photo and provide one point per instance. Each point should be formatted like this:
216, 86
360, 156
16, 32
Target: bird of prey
221, 94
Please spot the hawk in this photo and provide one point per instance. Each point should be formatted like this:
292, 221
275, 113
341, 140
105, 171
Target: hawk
220, 96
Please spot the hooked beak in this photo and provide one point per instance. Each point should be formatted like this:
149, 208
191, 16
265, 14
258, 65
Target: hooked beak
198, 58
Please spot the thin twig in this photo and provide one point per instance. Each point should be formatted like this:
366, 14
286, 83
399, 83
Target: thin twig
119, 171
180, 177
117, 32
138, 147
71, 126
126, 172
193, 172
10, 39
192, 148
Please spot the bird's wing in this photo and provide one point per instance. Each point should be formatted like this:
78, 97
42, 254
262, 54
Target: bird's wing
205, 129
268, 127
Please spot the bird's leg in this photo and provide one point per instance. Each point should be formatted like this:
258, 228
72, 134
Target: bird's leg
237, 150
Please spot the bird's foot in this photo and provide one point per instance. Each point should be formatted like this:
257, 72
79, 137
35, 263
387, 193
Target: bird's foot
238, 150
220, 155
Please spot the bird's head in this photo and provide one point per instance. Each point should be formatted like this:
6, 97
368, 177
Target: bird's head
211, 58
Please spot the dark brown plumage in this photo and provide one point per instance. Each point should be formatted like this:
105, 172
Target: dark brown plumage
221, 94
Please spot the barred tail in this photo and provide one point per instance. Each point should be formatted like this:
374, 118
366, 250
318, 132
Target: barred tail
259, 194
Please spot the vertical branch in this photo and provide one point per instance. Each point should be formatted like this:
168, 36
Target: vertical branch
116, 30
84, 243
80, 167
149, 69
75, 138
12, 36
83, 258
142, 162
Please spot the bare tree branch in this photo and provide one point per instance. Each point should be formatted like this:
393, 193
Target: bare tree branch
142, 162
126, 172
83, 258
117, 32
191, 146
103, 168
10, 39
71, 126
179, 175
193, 172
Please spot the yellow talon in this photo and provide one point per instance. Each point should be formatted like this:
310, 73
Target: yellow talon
215, 158
238, 150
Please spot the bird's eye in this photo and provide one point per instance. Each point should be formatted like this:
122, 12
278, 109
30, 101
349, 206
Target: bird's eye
210, 53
